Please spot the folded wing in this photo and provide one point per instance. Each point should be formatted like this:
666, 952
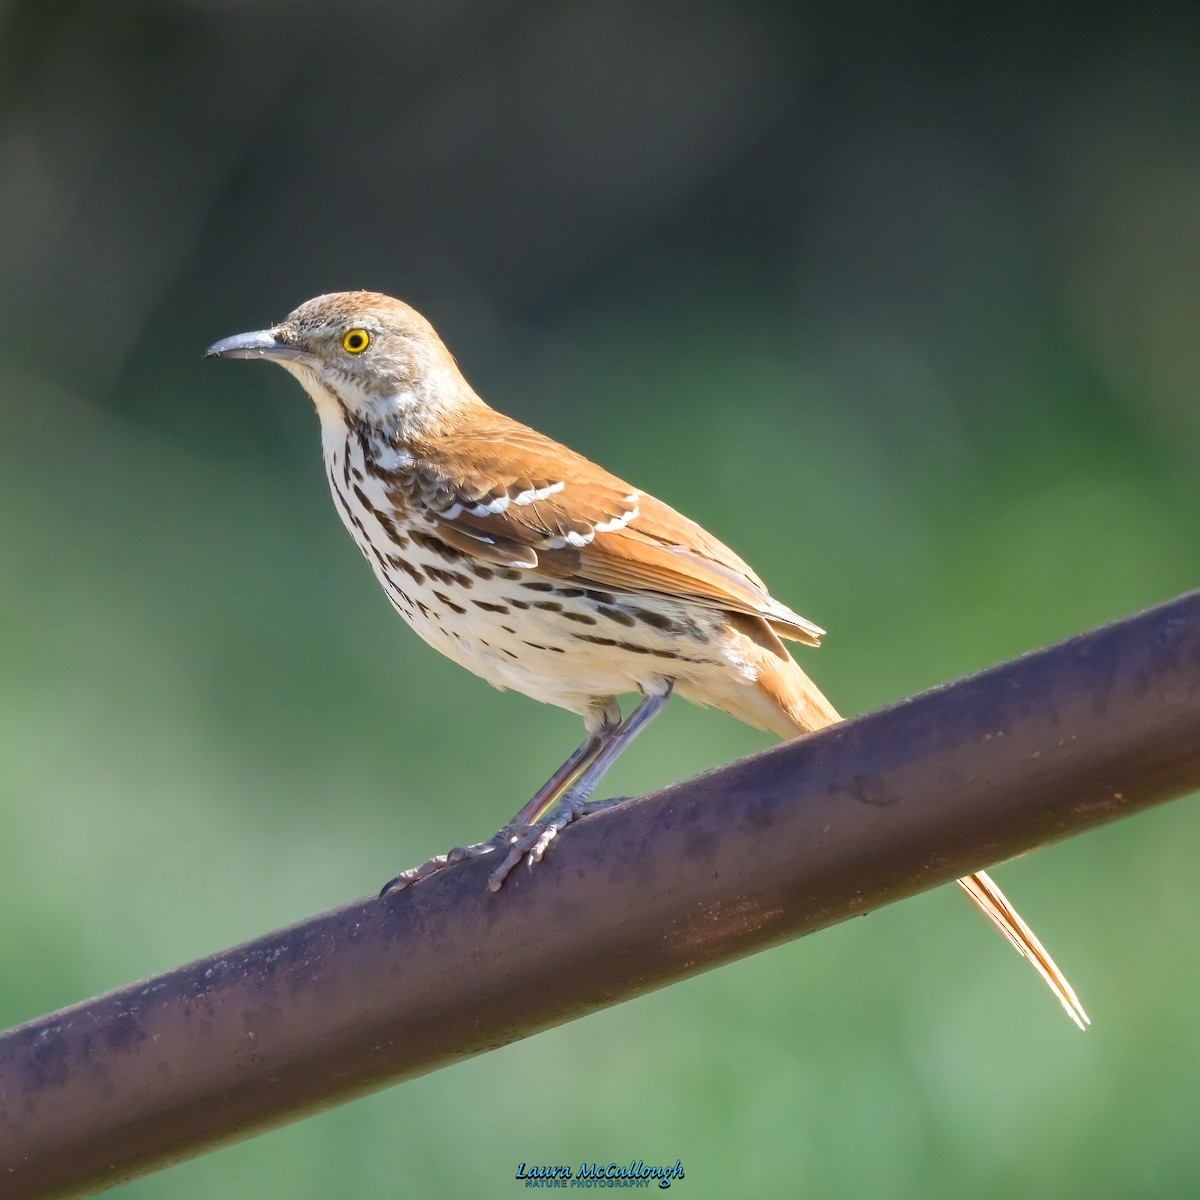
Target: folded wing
518, 499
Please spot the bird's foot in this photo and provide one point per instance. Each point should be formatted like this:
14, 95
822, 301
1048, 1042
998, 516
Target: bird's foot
440, 862
518, 840
531, 842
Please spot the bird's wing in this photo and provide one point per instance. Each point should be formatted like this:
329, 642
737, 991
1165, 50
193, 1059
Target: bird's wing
516, 498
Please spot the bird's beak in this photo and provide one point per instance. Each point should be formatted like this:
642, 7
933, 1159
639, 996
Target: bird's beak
263, 343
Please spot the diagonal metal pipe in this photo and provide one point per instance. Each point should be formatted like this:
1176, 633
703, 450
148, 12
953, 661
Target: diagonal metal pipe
773, 847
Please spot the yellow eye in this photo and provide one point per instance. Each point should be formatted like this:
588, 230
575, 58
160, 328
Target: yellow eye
355, 341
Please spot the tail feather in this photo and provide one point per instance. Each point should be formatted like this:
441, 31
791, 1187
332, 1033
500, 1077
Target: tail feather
991, 901
797, 706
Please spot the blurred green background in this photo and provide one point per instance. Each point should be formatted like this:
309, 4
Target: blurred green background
902, 301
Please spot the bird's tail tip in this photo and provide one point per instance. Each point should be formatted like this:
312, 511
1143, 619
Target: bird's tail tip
991, 901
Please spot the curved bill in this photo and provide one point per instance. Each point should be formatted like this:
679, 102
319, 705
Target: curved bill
260, 344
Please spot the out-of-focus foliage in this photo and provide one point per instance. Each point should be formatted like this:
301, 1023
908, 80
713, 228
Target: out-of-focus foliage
902, 301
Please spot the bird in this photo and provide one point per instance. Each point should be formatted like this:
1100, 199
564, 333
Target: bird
540, 571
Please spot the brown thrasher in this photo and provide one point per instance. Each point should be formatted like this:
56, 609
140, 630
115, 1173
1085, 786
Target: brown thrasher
540, 571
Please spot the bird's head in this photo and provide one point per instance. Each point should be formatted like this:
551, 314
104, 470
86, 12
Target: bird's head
364, 358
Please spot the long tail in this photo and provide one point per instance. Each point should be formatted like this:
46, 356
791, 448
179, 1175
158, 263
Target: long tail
990, 900
789, 703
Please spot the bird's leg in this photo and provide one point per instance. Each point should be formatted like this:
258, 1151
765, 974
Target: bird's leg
602, 722
573, 801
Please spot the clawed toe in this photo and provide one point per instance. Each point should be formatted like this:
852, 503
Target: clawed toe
518, 840
533, 841
439, 862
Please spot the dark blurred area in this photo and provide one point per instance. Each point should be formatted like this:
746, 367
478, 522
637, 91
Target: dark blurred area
901, 301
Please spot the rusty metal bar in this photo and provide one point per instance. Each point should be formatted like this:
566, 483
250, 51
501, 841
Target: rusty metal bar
768, 849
